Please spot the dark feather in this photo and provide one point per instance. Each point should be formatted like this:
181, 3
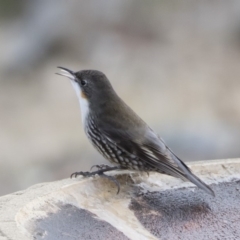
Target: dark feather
151, 150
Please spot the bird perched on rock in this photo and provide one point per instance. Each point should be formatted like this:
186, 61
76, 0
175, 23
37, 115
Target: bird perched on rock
119, 134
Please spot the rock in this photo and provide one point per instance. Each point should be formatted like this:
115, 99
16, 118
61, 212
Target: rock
154, 207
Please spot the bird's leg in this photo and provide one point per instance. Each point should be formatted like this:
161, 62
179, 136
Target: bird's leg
100, 172
100, 167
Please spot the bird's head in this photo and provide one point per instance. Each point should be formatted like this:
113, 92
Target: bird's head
91, 86
88, 84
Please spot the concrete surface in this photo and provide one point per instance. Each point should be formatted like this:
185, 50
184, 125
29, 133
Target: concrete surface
154, 207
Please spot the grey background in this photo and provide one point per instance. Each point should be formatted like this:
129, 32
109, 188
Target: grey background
176, 63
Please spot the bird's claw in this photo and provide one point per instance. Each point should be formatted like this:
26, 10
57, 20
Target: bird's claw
100, 172
100, 167
84, 174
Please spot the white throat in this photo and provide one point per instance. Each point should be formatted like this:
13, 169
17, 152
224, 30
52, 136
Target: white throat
84, 105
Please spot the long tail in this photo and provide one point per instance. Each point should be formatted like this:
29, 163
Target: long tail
187, 174
198, 182
160, 157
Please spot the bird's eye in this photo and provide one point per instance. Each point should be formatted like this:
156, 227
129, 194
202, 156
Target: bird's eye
83, 82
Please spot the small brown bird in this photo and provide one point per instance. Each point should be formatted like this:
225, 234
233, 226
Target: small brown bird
119, 134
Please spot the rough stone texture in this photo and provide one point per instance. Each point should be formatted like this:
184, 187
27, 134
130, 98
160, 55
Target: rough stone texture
154, 207
183, 214
68, 223
12, 203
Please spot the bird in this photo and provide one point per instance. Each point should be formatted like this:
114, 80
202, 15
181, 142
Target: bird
119, 134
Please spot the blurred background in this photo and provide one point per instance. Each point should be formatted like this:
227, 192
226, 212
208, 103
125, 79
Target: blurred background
176, 63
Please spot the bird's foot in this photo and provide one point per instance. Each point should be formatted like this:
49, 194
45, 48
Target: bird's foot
100, 172
84, 174
100, 167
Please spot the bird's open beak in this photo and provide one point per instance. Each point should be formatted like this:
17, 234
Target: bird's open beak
66, 73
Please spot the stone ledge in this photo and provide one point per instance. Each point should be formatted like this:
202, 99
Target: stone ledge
154, 207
